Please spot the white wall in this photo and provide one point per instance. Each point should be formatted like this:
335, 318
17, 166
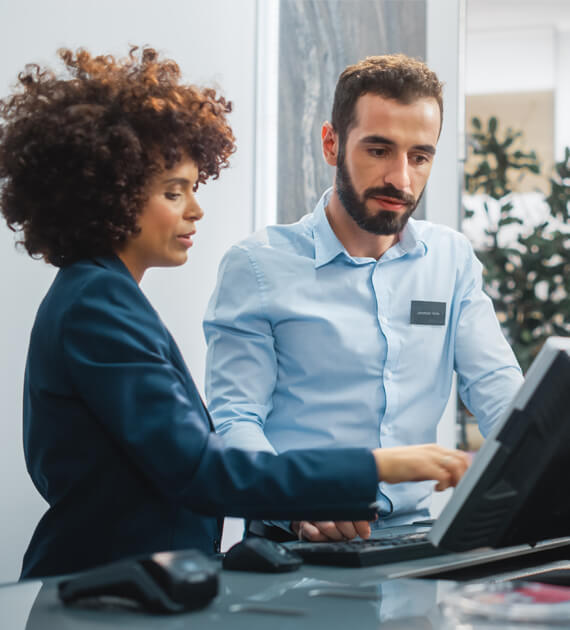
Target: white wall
510, 59
214, 43
562, 92
521, 46
445, 57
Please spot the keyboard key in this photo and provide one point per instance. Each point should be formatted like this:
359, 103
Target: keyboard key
365, 553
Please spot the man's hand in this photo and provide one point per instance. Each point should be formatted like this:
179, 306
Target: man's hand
420, 463
320, 531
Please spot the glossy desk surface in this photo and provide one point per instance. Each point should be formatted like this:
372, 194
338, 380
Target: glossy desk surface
311, 597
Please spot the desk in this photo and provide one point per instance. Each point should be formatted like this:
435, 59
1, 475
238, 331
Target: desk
324, 597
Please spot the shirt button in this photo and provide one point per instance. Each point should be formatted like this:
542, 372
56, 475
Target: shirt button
387, 375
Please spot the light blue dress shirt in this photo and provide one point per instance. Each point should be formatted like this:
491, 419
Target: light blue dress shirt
311, 347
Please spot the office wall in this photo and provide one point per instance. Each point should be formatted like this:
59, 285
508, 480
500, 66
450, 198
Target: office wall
521, 46
203, 38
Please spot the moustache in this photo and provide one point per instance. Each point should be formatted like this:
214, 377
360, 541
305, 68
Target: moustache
389, 191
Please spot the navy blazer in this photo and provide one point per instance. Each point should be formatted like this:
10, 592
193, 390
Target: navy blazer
119, 443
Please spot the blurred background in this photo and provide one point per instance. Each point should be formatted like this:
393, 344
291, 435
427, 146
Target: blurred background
503, 179
516, 188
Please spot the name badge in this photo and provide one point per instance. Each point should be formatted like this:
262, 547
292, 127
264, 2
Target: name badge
427, 313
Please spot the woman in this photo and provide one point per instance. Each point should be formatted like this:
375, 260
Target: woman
99, 171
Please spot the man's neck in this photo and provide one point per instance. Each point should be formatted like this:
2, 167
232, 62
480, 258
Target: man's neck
357, 242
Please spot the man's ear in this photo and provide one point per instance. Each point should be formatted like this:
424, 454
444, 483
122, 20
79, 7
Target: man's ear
329, 139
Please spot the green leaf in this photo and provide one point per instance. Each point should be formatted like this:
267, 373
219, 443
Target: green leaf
509, 221
512, 272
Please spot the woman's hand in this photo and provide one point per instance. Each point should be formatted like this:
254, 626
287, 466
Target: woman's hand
403, 463
420, 463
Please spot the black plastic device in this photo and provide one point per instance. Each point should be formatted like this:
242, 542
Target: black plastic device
516, 490
365, 553
164, 582
261, 554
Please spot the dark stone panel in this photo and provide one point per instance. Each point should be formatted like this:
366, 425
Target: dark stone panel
317, 40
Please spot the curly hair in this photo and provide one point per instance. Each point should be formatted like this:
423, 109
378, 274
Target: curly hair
398, 77
77, 151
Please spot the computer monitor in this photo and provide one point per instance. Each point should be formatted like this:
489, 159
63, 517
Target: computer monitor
517, 490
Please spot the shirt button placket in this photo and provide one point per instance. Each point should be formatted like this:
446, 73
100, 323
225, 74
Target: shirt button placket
381, 313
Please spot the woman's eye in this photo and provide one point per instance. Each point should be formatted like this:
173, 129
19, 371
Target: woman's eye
171, 196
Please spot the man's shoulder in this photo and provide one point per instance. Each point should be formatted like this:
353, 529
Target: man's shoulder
290, 238
438, 235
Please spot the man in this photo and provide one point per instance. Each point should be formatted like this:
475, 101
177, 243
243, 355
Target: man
345, 327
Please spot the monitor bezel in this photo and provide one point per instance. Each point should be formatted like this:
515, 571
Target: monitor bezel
446, 532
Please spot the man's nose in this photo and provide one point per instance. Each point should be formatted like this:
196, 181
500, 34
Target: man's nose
398, 174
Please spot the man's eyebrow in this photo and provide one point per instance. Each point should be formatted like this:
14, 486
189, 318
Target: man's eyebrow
375, 139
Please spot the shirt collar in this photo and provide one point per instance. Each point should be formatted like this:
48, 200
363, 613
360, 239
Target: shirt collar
328, 247
410, 240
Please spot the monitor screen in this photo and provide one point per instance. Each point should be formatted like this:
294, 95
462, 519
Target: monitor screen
517, 490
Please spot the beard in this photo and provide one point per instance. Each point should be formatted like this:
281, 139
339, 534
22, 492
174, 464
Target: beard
382, 222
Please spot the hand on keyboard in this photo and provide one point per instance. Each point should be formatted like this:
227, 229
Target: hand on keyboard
320, 531
420, 463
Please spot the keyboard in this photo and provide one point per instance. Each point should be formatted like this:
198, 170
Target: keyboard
366, 553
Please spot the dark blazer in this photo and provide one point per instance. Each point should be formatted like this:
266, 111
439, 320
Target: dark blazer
119, 443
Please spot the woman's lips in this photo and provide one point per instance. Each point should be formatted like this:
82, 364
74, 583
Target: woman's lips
186, 239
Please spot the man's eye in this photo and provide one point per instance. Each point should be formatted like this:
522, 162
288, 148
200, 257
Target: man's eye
172, 196
378, 152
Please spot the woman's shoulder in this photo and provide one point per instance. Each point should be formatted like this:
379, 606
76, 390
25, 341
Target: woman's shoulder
101, 295
97, 276
93, 285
